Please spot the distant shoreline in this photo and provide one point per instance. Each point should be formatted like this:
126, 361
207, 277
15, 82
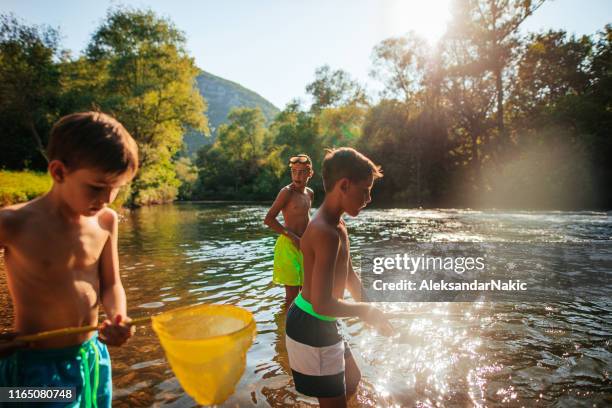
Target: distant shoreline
392, 206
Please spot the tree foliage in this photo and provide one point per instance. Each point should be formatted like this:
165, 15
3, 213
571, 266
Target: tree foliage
135, 67
486, 117
150, 86
29, 91
334, 88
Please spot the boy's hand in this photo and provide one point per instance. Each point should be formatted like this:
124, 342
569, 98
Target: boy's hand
375, 317
293, 237
8, 346
296, 241
117, 333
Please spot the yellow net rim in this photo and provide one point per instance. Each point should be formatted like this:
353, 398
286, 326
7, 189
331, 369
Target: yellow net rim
251, 326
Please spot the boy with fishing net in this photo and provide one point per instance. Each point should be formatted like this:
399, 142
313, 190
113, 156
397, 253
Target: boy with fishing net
60, 252
294, 201
321, 361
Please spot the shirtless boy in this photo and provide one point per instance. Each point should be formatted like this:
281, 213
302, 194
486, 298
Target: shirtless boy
321, 362
60, 252
294, 201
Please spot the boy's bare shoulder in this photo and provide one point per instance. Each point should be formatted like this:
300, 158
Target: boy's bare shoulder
285, 190
322, 232
283, 195
108, 219
310, 192
13, 219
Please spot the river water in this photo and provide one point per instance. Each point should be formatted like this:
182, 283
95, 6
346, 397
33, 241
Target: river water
445, 354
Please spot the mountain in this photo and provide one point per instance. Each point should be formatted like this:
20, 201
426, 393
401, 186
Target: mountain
223, 95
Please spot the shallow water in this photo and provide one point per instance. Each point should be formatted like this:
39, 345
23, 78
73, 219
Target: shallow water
446, 354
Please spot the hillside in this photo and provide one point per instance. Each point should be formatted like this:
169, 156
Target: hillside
223, 95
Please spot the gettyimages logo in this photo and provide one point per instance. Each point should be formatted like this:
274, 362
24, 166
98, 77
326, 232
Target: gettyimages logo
466, 272
412, 264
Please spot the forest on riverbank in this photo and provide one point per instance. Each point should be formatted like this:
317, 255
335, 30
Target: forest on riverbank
487, 117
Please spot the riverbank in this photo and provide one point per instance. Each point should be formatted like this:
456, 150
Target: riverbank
20, 186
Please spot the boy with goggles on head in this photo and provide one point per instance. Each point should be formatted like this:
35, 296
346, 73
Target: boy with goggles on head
294, 201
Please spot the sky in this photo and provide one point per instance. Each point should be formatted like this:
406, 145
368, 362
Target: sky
274, 46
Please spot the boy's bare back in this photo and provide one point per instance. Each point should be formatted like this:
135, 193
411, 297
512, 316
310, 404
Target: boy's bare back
55, 266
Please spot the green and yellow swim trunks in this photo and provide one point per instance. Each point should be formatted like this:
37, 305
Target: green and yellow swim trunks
86, 366
288, 263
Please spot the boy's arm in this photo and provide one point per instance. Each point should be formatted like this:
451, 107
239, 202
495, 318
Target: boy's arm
7, 345
113, 331
113, 294
326, 244
4, 225
353, 284
353, 281
281, 200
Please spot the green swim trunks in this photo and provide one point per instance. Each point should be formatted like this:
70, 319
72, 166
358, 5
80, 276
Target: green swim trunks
86, 367
288, 263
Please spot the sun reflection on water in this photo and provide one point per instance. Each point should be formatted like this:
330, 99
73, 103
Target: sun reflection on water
443, 354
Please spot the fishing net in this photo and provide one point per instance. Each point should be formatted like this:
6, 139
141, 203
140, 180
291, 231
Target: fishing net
206, 347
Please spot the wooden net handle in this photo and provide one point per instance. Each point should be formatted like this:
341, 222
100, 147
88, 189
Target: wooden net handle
71, 330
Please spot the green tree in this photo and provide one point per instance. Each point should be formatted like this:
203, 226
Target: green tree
561, 115
297, 131
149, 84
187, 174
551, 67
81, 82
597, 120
400, 64
334, 88
408, 68
468, 92
29, 91
491, 26
341, 126
414, 153
229, 167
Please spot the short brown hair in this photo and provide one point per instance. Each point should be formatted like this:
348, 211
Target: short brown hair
346, 162
93, 139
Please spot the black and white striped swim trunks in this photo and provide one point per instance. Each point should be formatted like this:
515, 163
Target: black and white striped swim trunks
316, 351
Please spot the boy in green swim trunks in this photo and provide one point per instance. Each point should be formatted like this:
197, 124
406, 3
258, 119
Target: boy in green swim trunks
60, 252
294, 201
321, 361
